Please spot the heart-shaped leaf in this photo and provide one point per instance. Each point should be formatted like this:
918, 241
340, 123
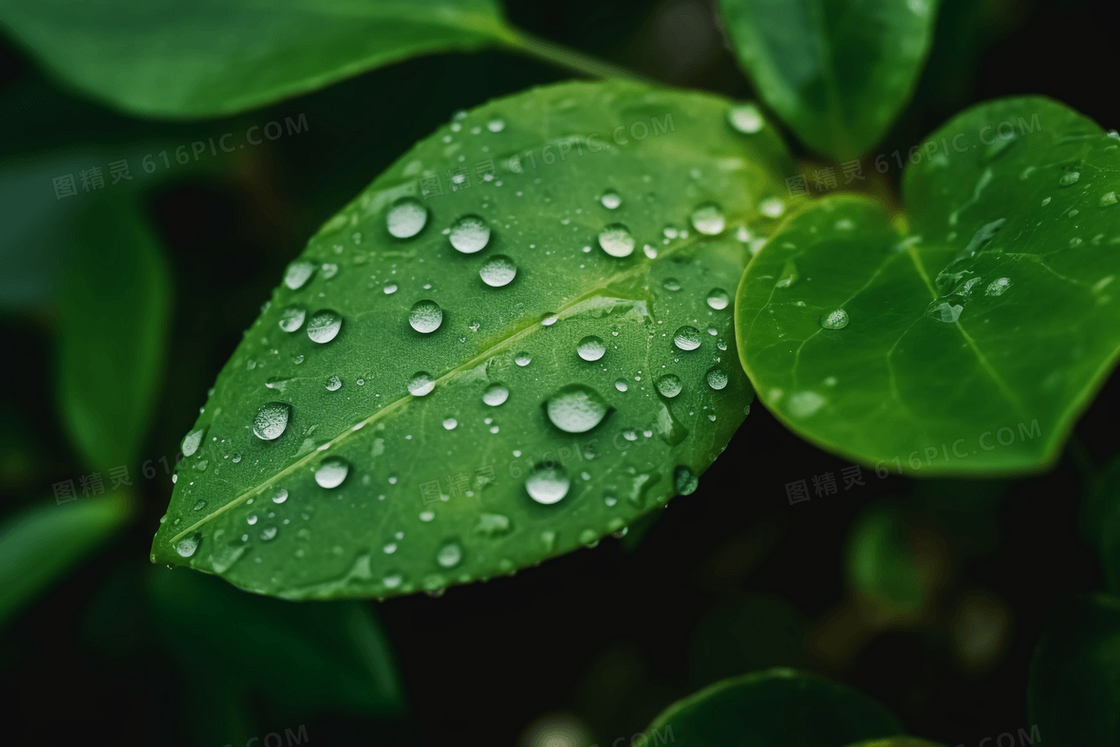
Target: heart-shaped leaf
970, 343
837, 71
776, 707
1074, 689
200, 59
517, 340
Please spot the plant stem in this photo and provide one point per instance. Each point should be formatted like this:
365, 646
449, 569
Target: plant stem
571, 59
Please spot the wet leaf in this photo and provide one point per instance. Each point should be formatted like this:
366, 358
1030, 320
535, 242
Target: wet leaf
837, 71
970, 343
778, 706
881, 566
1073, 694
402, 416
214, 57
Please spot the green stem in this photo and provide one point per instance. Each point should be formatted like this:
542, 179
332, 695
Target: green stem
571, 59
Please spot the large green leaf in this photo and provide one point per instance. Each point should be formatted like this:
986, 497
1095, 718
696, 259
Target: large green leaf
114, 328
1074, 689
880, 564
175, 58
535, 438
837, 71
776, 707
40, 545
971, 342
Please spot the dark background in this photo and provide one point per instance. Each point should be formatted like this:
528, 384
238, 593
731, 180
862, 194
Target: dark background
589, 647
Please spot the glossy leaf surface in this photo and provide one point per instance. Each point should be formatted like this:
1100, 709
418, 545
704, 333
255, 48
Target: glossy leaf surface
199, 59
970, 343
455, 385
837, 71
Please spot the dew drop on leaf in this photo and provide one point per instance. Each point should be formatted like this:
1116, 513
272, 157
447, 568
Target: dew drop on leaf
687, 338
449, 555
548, 485
324, 326
523, 359
291, 318
671, 284
610, 199
1068, 178
1108, 198
298, 273
621, 385
997, 287
576, 408
708, 219
332, 471
717, 378
271, 421
280, 495
495, 394
421, 384
718, 299
425, 316
187, 546
669, 385
470, 234
837, 319
495, 125
334, 384
745, 119
192, 441
685, 480
616, 240
498, 271
591, 348
407, 217
450, 423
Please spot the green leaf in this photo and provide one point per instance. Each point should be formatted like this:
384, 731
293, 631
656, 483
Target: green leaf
970, 343
38, 546
1073, 692
304, 657
775, 707
436, 487
837, 71
113, 335
201, 59
881, 566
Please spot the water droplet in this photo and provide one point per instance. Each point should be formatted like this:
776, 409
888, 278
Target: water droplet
671, 284
390, 289
332, 471
334, 384
576, 408
1108, 198
669, 385
392, 580
421, 384
236, 458
407, 217
449, 555
837, 319
745, 119
772, 207
997, 287
591, 348
268, 533
685, 480
549, 320
450, 423
280, 496
1070, 177
718, 299
708, 219
470, 234
717, 378
495, 394
298, 273
495, 125
291, 318
187, 546
687, 338
199, 505
548, 485
324, 326
192, 441
621, 385
498, 271
425, 316
523, 359
271, 420
611, 199
616, 240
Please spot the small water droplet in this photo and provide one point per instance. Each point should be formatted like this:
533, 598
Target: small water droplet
199, 505
685, 480
997, 287
268, 533
187, 546
837, 319
621, 385
548, 485
669, 385
390, 289
496, 125
449, 555
334, 384
236, 458
495, 394
616, 240
717, 378
611, 199
745, 119
523, 359
1108, 198
687, 338
498, 271
671, 284
576, 408
280, 496
324, 326
332, 471
271, 420
425, 316
469, 234
192, 441
298, 273
291, 318
421, 384
591, 348
772, 207
1068, 178
718, 299
450, 423
708, 219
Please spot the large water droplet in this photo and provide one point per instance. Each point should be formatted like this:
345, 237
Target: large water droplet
498, 271
298, 273
576, 408
407, 217
192, 441
685, 480
470, 234
548, 485
610, 199
425, 316
708, 219
616, 240
324, 326
745, 119
717, 378
421, 384
718, 299
449, 555
332, 471
837, 319
291, 318
687, 338
495, 394
669, 385
591, 348
271, 420
187, 546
